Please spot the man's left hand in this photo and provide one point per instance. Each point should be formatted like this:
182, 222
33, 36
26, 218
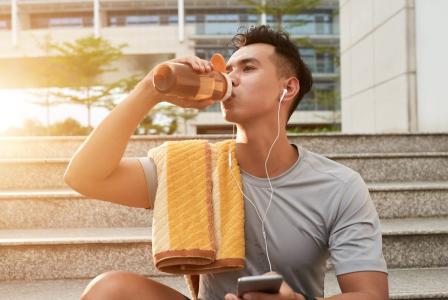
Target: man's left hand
285, 293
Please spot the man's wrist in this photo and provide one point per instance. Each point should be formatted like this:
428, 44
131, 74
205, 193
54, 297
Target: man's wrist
147, 89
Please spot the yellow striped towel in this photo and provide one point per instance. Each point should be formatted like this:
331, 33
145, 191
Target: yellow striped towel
198, 223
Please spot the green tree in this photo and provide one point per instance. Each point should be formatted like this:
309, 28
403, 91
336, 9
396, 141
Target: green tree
148, 126
80, 66
187, 114
69, 126
45, 72
176, 114
279, 8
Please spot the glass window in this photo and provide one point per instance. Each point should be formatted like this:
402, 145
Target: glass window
190, 19
5, 22
172, 20
309, 58
218, 24
207, 52
65, 22
323, 96
318, 62
320, 22
134, 18
215, 18
142, 20
62, 20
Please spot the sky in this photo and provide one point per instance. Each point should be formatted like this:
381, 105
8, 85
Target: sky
16, 106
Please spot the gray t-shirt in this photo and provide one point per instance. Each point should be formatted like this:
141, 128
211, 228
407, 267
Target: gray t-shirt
320, 209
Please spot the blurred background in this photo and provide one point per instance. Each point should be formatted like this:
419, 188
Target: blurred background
64, 65
378, 65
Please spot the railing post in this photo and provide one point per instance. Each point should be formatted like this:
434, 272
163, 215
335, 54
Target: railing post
14, 23
181, 19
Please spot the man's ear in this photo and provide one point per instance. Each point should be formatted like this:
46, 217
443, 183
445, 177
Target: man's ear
292, 89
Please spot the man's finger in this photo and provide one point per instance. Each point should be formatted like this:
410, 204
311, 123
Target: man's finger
230, 297
260, 296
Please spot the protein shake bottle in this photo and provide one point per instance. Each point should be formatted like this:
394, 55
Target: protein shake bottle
180, 80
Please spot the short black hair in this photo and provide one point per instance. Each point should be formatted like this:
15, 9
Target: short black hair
289, 62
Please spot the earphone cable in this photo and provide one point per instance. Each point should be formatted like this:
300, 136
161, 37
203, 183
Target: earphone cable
269, 180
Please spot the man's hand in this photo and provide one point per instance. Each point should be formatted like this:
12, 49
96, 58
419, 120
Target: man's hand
285, 293
199, 66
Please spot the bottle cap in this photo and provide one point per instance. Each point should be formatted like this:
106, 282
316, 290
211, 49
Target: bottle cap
219, 64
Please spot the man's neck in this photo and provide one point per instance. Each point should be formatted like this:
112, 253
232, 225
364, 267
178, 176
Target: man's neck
253, 147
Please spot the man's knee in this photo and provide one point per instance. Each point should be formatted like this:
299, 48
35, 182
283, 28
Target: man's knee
110, 285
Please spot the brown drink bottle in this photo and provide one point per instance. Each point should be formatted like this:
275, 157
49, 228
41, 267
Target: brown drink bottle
180, 80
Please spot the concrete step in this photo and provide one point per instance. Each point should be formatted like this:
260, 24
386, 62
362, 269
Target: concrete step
63, 147
415, 242
410, 199
397, 167
74, 253
86, 252
64, 208
374, 167
417, 284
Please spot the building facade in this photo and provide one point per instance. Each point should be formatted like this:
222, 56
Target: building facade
393, 61
156, 31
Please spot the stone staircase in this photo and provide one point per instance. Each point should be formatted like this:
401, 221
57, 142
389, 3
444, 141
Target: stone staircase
53, 240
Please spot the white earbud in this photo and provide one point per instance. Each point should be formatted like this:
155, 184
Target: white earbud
285, 91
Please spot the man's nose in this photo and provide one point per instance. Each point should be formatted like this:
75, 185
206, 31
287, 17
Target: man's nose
234, 78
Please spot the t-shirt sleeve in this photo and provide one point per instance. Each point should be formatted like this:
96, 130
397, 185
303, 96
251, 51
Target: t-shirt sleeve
149, 167
355, 242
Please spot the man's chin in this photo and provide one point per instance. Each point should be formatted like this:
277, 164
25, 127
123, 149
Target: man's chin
227, 115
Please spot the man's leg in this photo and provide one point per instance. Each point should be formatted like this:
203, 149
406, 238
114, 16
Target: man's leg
124, 285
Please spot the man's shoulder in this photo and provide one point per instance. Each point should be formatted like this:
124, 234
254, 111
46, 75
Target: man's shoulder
324, 166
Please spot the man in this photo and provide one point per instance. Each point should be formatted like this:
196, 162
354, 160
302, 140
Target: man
319, 209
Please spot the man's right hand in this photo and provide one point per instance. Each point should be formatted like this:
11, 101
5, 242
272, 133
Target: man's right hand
198, 65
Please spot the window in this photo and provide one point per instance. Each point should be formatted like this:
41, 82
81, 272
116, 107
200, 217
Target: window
5, 22
190, 19
315, 23
206, 53
62, 20
318, 61
323, 96
136, 18
172, 20
142, 20
65, 22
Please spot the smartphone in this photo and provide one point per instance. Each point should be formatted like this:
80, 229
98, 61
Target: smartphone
261, 283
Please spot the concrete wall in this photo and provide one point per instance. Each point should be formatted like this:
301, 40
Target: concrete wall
432, 64
378, 66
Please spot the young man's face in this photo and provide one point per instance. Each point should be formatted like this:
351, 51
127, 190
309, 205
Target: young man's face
256, 86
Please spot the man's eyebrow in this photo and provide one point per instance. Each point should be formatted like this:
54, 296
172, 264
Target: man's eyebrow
244, 61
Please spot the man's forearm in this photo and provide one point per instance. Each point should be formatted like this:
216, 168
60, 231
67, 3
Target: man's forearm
354, 296
102, 151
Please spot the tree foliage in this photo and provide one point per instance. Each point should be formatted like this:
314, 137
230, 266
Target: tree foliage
279, 8
80, 65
